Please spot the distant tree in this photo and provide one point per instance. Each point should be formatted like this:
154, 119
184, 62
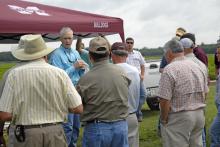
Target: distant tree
145, 51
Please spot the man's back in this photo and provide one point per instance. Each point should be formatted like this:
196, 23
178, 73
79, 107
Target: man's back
184, 83
201, 55
105, 96
39, 93
134, 87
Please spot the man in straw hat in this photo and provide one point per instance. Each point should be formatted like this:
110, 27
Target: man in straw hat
104, 92
37, 97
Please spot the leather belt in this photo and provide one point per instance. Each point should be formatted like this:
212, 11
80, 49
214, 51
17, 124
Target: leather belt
96, 121
41, 125
132, 113
102, 121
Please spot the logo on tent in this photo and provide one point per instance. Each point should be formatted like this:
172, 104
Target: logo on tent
100, 24
29, 10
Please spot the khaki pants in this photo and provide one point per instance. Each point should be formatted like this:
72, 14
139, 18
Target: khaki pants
184, 129
51, 136
133, 134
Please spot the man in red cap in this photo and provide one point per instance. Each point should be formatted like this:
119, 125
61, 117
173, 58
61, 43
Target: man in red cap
119, 56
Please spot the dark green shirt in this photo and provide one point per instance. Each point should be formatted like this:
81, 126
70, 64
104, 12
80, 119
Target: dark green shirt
104, 92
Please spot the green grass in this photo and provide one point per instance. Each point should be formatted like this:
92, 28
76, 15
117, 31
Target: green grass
211, 67
148, 128
4, 66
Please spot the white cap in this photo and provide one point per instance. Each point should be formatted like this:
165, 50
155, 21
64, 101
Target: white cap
186, 43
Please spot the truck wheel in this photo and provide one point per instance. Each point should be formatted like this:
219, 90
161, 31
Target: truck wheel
153, 103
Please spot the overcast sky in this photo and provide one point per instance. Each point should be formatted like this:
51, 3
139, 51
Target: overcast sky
153, 22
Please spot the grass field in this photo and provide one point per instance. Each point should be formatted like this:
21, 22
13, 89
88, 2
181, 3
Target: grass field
147, 129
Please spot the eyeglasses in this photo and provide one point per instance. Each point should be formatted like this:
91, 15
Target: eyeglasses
130, 42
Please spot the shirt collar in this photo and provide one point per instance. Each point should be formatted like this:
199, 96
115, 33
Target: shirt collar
178, 59
190, 55
66, 50
101, 63
132, 52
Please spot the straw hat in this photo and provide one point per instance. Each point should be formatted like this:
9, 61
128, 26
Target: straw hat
31, 47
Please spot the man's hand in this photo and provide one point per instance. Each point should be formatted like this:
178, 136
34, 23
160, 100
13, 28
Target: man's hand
79, 64
76, 110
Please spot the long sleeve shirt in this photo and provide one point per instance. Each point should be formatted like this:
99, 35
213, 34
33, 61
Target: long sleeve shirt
64, 59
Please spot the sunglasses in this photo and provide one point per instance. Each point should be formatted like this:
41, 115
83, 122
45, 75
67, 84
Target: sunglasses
130, 42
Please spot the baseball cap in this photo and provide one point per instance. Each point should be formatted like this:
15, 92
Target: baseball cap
119, 48
98, 45
186, 43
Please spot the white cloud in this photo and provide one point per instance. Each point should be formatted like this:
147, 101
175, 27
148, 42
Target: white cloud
153, 22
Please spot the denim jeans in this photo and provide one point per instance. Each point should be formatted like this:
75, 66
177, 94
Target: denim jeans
215, 131
112, 134
141, 100
204, 137
71, 129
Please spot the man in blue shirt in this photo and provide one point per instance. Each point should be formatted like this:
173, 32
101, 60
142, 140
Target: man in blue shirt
69, 60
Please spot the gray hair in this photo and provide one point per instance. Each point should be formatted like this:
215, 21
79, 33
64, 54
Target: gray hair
174, 45
64, 30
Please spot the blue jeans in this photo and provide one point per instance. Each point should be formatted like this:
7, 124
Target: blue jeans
204, 137
215, 131
141, 100
112, 134
71, 129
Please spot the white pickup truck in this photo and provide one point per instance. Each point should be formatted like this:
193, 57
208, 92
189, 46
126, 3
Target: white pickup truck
151, 83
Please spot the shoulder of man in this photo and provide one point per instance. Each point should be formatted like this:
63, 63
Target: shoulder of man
55, 53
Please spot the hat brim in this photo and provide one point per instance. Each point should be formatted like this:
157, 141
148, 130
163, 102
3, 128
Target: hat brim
22, 55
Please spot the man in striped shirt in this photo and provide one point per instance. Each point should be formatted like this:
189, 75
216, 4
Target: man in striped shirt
37, 97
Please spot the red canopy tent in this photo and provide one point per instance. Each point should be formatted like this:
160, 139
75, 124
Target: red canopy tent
21, 17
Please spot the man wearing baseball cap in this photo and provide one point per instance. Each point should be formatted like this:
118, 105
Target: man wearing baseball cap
104, 92
119, 56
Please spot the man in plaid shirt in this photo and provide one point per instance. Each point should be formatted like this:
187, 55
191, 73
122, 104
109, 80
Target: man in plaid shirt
182, 90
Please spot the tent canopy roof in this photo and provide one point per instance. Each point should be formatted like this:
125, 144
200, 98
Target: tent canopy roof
21, 17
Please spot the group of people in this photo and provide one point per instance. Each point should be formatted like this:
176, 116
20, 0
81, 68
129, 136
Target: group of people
182, 92
51, 91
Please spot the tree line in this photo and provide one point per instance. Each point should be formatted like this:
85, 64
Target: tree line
208, 48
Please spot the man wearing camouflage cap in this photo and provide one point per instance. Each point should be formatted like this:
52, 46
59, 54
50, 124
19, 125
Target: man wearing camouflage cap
104, 91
